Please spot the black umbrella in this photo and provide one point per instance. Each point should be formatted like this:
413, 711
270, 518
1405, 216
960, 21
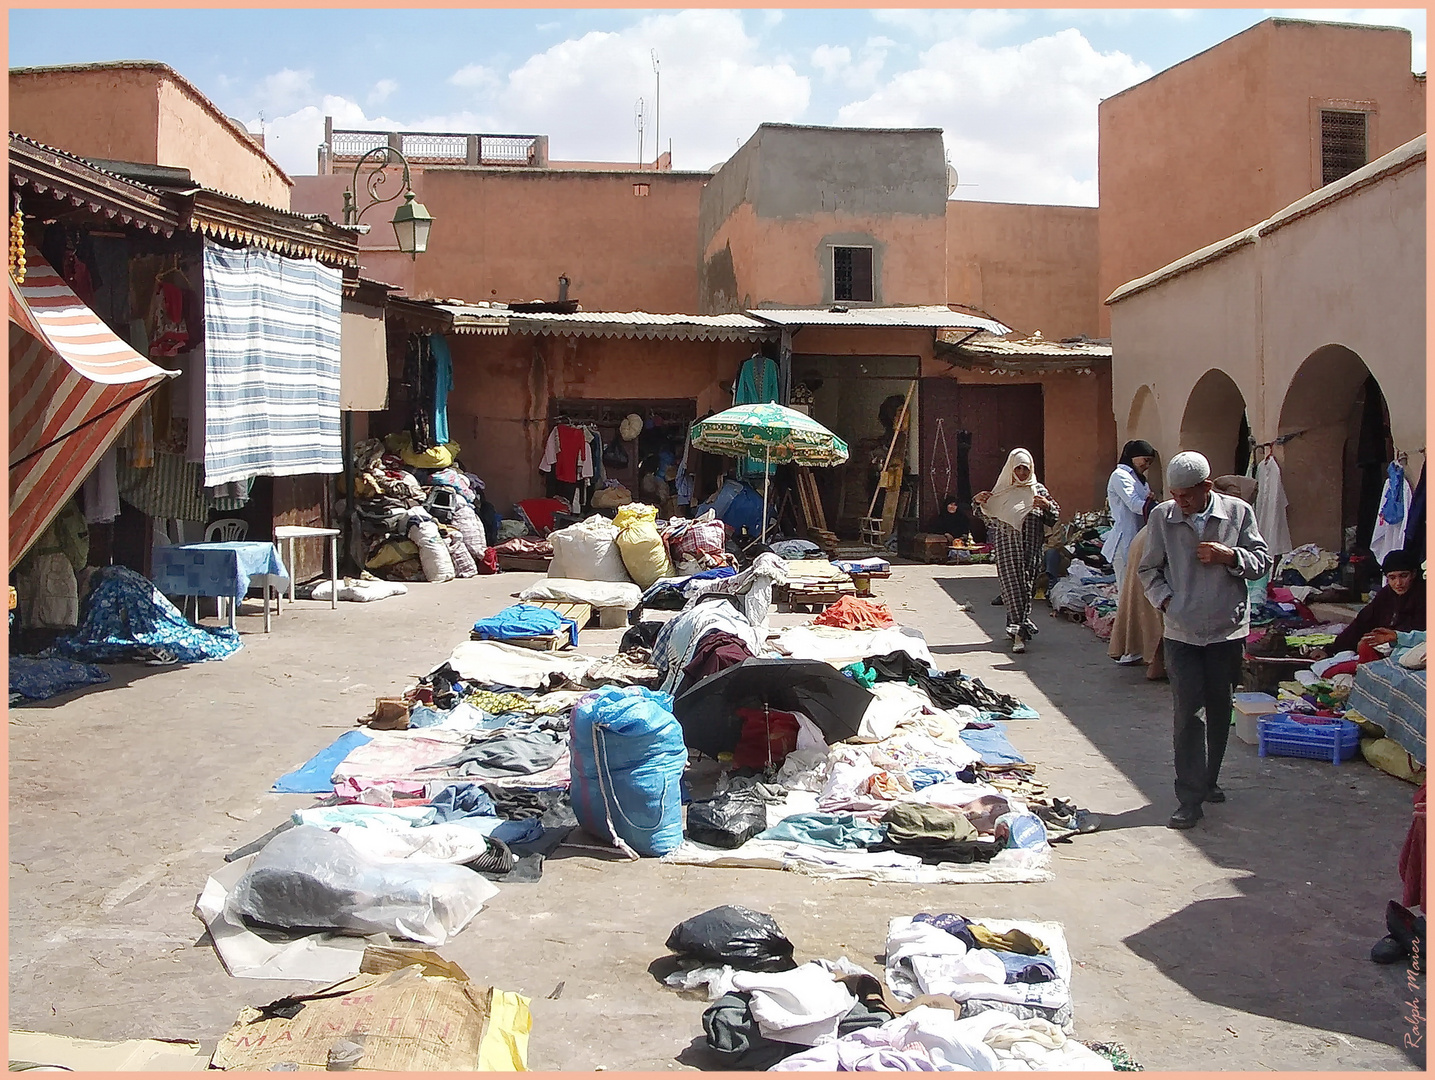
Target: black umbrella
707, 711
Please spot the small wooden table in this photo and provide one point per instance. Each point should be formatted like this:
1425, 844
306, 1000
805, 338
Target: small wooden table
289, 533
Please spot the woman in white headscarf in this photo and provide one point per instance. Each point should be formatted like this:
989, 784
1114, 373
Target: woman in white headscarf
1017, 512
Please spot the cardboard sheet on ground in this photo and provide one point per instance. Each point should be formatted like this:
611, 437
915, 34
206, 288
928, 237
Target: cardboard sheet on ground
492, 663
403, 1020
325, 958
87, 1055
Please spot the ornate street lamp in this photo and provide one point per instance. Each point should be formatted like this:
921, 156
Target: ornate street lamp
411, 221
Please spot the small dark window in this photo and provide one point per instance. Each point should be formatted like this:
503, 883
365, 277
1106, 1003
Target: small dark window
640, 189
852, 273
1342, 144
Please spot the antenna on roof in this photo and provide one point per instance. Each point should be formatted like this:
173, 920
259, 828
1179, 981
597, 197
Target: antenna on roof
638, 116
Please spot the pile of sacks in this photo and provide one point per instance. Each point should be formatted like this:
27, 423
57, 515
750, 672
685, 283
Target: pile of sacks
419, 515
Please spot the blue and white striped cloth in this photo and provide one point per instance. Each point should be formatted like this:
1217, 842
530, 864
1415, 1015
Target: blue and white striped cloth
272, 373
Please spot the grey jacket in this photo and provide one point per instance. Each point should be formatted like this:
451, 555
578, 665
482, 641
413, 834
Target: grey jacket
1208, 602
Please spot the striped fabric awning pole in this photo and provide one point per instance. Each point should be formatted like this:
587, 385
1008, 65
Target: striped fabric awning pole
74, 385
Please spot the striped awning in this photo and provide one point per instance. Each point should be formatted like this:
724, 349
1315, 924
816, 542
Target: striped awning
74, 385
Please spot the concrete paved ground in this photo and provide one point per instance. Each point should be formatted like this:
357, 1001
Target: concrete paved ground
1239, 945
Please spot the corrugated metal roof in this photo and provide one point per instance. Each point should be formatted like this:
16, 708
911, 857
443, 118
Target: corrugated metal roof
934, 317
470, 319
987, 345
1399, 159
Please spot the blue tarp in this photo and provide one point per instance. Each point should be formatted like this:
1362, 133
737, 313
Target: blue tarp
127, 618
524, 620
313, 777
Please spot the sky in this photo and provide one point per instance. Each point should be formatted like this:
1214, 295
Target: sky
1015, 91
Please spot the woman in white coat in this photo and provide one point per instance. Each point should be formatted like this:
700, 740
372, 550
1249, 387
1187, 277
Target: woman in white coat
1129, 499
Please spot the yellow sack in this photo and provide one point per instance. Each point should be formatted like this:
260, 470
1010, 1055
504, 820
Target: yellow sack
393, 552
643, 551
1387, 755
435, 457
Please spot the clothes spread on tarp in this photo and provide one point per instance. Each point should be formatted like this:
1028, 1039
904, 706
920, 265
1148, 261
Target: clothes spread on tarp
947, 690
568, 454
916, 825
1395, 499
923, 959
1271, 507
678, 640
838, 831
802, 1006
716, 651
524, 621
992, 744
459, 801
735, 1036
35, 679
517, 754
127, 618
852, 613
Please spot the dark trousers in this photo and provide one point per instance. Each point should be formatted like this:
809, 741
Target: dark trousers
1202, 676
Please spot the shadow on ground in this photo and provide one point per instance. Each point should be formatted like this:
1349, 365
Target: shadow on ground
1317, 843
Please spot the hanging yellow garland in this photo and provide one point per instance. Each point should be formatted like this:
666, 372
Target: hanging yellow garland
17, 244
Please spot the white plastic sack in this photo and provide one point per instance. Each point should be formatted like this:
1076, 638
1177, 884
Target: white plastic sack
310, 878
471, 528
588, 551
601, 594
361, 591
463, 564
433, 552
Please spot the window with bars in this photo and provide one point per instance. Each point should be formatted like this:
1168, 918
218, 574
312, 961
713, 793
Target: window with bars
852, 273
1342, 144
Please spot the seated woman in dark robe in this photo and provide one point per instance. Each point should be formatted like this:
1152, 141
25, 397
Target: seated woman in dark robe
1397, 608
950, 520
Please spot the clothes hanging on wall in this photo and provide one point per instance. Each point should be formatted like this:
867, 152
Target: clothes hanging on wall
1395, 499
100, 492
757, 382
1271, 506
568, 454
1415, 519
418, 382
442, 385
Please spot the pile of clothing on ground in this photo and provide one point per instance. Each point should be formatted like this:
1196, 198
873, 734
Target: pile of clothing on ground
957, 994
421, 517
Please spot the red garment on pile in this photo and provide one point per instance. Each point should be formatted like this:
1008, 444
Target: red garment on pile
717, 651
1412, 857
539, 512
764, 735
850, 613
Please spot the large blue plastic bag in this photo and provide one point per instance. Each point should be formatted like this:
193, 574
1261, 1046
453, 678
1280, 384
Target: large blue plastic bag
628, 761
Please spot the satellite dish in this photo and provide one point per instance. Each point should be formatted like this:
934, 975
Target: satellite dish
951, 180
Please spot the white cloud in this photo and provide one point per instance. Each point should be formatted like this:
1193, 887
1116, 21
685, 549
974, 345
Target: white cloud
293, 139
475, 77
1412, 19
938, 24
544, 28
715, 87
382, 91
282, 91
830, 59
1019, 121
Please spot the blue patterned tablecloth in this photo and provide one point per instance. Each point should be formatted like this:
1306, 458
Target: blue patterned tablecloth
219, 569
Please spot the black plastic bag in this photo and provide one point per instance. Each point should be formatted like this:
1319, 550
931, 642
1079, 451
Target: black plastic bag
748, 940
729, 821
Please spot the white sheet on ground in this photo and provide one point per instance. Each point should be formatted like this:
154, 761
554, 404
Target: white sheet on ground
833, 644
492, 663
1012, 866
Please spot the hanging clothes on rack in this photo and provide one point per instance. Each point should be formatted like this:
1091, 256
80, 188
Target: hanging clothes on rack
1271, 506
758, 383
419, 383
568, 454
1415, 519
1395, 499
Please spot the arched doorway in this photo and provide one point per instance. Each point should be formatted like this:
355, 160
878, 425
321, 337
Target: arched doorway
1334, 467
1214, 422
1144, 422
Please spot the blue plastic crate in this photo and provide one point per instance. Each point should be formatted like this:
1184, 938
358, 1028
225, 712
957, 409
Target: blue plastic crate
1334, 742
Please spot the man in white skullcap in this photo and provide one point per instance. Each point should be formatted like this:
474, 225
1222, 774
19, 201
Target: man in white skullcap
1201, 549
